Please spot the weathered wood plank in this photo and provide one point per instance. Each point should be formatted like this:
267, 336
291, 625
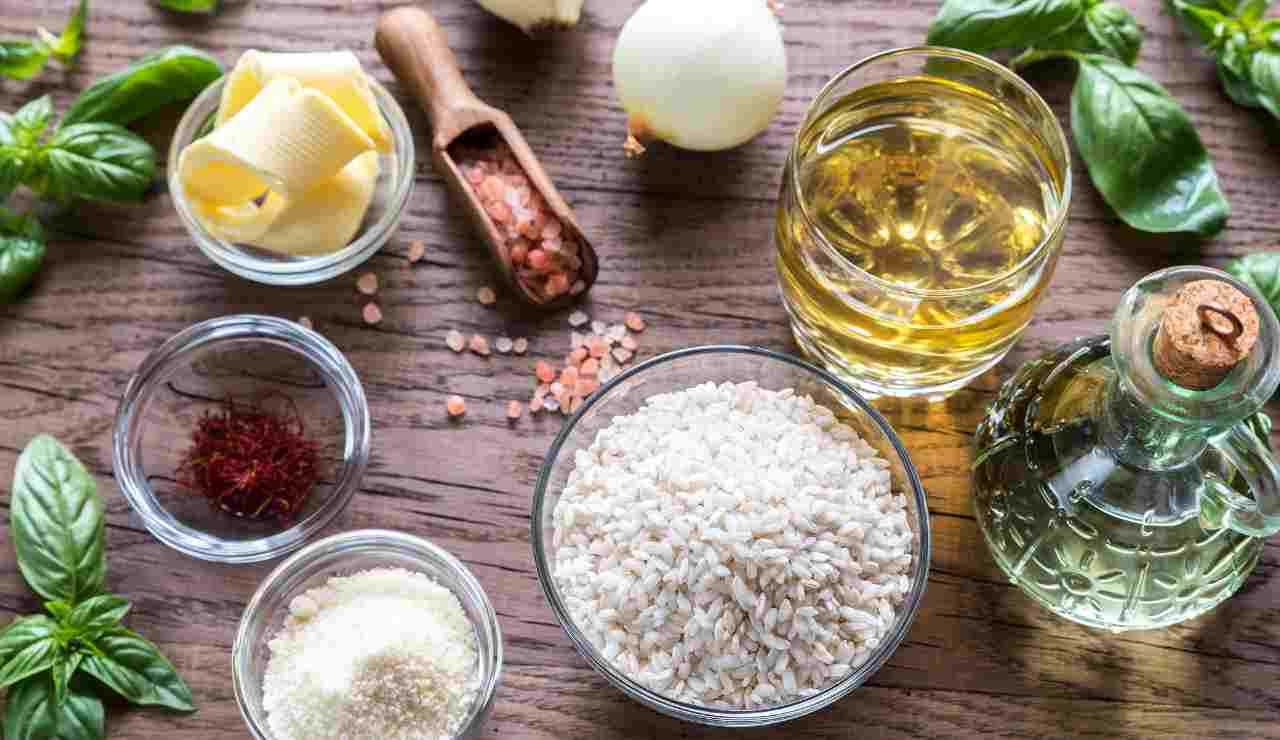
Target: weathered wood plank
686, 239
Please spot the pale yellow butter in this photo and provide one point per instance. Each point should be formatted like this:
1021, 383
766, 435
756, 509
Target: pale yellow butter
336, 74
325, 218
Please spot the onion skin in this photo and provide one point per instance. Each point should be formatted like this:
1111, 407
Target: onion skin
704, 75
536, 16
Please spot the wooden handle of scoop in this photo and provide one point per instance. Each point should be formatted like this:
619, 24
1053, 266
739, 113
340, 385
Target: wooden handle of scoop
414, 47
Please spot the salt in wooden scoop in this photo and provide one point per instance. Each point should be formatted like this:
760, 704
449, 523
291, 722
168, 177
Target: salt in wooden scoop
415, 49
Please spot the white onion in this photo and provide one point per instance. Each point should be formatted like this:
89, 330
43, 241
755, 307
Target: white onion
699, 74
536, 15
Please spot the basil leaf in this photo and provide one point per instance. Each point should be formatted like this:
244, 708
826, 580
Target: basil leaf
32, 714
58, 608
1239, 89
56, 522
157, 79
1203, 21
62, 673
67, 46
21, 253
1251, 11
97, 615
24, 632
1264, 73
1262, 271
22, 60
100, 161
983, 25
29, 646
1143, 152
31, 120
189, 6
135, 669
1114, 31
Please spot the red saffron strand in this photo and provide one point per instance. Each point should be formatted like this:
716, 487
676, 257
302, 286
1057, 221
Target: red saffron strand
250, 462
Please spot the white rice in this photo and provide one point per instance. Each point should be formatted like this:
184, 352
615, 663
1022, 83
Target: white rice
732, 547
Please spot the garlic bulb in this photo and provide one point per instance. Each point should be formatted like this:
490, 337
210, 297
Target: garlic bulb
699, 74
533, 16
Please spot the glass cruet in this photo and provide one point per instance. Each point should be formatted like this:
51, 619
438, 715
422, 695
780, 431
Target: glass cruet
1117, 480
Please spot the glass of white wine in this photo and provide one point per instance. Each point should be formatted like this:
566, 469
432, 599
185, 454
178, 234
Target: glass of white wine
923, 208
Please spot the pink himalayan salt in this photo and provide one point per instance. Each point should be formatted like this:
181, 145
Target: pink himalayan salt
456, 406
367, 283
514, 410
544, 372
371, 313
417, 250
487, 296
633, 321
479, 345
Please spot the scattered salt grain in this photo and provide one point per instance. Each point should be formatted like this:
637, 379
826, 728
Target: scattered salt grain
367, 283
578, 318
535, 405
623, 356
479, 345
544, 372
371, 313
520, 346
707, 566
417, 250
550, 404
629, 342
455, 341
455, 405
514, 410
617, 332
486, 296
504, 345
598, 327
633, 321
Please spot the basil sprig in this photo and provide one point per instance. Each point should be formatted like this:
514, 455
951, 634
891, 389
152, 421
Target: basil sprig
89, 154
1245, 44
24, 59
1262, 271
54, 665
1142, 150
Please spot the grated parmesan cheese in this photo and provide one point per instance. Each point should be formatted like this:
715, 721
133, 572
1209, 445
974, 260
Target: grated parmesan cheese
385, 654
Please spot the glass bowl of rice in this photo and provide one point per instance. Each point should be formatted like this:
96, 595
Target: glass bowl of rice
346, 555
696, 570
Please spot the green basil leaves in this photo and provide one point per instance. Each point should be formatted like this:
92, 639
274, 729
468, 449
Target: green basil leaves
1143, 152
23, 60
1141, 148
983, 25
1245, 44
99, 161
188, 6
33, 713
47, 661
1262, 271
157, 79
89, 154
56, 523
21, 253
135, 669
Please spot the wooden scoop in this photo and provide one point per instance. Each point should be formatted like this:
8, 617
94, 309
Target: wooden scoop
414, 47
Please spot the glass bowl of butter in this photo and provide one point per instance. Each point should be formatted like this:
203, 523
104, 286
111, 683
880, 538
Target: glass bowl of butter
293, 169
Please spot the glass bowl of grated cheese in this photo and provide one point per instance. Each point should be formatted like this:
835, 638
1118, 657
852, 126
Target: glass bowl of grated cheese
391, 190
731, 536
343, 559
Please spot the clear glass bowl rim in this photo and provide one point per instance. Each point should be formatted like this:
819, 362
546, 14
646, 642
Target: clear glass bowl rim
366, 540
1028, 263
321, 354
312, 269
724, 717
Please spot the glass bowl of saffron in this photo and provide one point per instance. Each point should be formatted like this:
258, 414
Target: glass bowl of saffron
240, 438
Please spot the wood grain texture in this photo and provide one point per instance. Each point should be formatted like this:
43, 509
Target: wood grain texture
685, 239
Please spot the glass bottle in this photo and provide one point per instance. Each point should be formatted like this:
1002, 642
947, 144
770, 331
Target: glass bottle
1113, 491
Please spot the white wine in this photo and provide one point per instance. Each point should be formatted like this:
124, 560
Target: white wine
920, 224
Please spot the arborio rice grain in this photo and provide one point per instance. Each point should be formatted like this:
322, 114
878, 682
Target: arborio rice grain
732, 546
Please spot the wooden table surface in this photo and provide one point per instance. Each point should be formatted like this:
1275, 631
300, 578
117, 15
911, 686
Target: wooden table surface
686, 240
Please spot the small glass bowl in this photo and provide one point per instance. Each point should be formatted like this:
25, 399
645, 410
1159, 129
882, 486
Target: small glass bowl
722, 364
279, 363
345, 554
391, 194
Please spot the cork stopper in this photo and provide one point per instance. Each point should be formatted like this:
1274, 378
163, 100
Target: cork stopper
1205, 331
